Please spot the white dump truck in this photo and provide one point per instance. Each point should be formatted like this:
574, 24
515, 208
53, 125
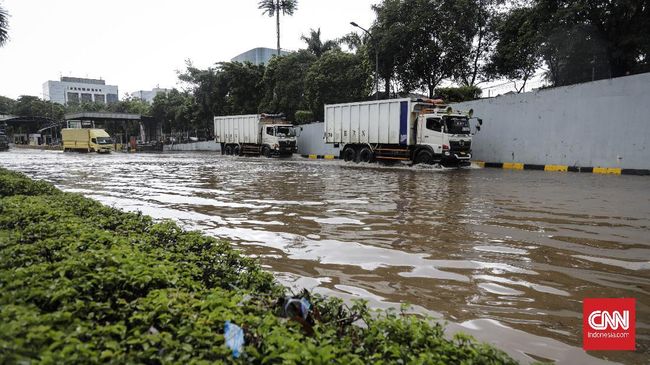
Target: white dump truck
255, 134
415, 130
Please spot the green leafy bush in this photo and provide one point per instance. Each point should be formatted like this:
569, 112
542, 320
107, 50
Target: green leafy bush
82, 283
304, 117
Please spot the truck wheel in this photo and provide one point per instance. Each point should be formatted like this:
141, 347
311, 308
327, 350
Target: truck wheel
349, 154
266, 152
228, 150
424, 157
237, 151
365, 155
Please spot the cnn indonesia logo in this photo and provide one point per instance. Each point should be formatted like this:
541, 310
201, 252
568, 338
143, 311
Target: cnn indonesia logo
608, 323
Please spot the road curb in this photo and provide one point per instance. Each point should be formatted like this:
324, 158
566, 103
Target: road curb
320, 157
563, 168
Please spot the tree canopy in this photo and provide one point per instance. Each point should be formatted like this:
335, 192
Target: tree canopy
274, 8
4, 26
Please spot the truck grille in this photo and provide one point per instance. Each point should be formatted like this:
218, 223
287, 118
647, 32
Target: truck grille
287, 145
460, 146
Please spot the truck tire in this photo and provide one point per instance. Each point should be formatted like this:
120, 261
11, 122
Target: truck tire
237, 151
366, 155
228, 150
349, 154
424, 157
266, 151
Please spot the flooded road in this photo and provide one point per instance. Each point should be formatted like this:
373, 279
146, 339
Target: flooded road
506, 256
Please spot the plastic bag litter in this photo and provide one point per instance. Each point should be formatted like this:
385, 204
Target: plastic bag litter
291, 305
234, 336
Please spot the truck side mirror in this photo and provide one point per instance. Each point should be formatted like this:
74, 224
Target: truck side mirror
480, 122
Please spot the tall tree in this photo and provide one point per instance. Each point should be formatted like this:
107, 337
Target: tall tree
6, 105
389, 37
436, 49
592, 32
244, 84
284, 83
316, 46
478, 32
336, 77
4, 26
517, 55
274, 8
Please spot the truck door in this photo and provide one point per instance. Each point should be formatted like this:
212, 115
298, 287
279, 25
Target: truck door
431, 134
268, 134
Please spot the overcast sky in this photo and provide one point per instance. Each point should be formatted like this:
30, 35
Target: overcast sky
139, 44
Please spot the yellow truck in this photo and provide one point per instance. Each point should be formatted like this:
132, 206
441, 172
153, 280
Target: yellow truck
86, 140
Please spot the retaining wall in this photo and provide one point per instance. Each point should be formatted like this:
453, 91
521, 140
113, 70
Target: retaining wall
604, 123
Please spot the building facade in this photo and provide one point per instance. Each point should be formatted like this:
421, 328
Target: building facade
149, 95
76, 90
258, 56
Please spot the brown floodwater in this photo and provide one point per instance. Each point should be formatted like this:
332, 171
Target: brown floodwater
506, 256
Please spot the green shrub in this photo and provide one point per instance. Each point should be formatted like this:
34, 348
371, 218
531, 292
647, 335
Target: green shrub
304, 117
82, 283
458, 94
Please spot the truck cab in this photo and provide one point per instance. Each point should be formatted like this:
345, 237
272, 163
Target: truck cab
100, 141
278, 139
447, 134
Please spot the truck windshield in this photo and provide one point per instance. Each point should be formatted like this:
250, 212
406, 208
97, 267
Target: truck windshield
104, 140
285, 132
457, 125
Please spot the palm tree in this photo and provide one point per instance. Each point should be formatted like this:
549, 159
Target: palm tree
316, 46
4, 26
274, 7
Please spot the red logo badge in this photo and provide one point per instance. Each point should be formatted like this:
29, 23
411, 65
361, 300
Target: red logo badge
608, 323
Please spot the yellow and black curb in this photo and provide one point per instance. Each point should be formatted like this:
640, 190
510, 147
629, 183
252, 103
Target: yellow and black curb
320, 157
563, 168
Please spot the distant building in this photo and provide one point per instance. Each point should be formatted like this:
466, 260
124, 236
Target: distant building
258, 56
149, 95
76, 90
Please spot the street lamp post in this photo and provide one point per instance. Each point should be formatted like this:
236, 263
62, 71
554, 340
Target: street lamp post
376, 58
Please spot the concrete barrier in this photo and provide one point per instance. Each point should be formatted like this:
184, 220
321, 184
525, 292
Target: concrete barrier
311, 142
194, 146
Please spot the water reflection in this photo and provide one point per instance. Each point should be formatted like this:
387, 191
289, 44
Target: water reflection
507, 256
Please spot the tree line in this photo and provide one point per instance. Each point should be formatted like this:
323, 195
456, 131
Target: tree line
421, 46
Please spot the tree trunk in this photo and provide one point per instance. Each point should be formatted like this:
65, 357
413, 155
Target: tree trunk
387, 87
277, 23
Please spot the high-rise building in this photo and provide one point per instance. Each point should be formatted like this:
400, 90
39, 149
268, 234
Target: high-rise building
76, 90
258, 56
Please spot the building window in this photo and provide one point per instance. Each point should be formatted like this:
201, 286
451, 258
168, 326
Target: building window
73, 98
100, 98
86, 98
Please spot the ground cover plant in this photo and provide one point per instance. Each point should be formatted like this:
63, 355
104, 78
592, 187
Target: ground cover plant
82, 283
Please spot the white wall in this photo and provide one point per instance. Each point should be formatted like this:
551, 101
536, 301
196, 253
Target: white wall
311, 142
604, 123
194, 146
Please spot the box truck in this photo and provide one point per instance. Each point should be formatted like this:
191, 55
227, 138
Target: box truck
86, 140
255, 134
420, 131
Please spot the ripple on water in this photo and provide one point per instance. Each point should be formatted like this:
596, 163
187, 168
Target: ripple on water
508, 247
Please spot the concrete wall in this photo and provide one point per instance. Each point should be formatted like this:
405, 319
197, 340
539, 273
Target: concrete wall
604, 123
195, 146
311, 142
